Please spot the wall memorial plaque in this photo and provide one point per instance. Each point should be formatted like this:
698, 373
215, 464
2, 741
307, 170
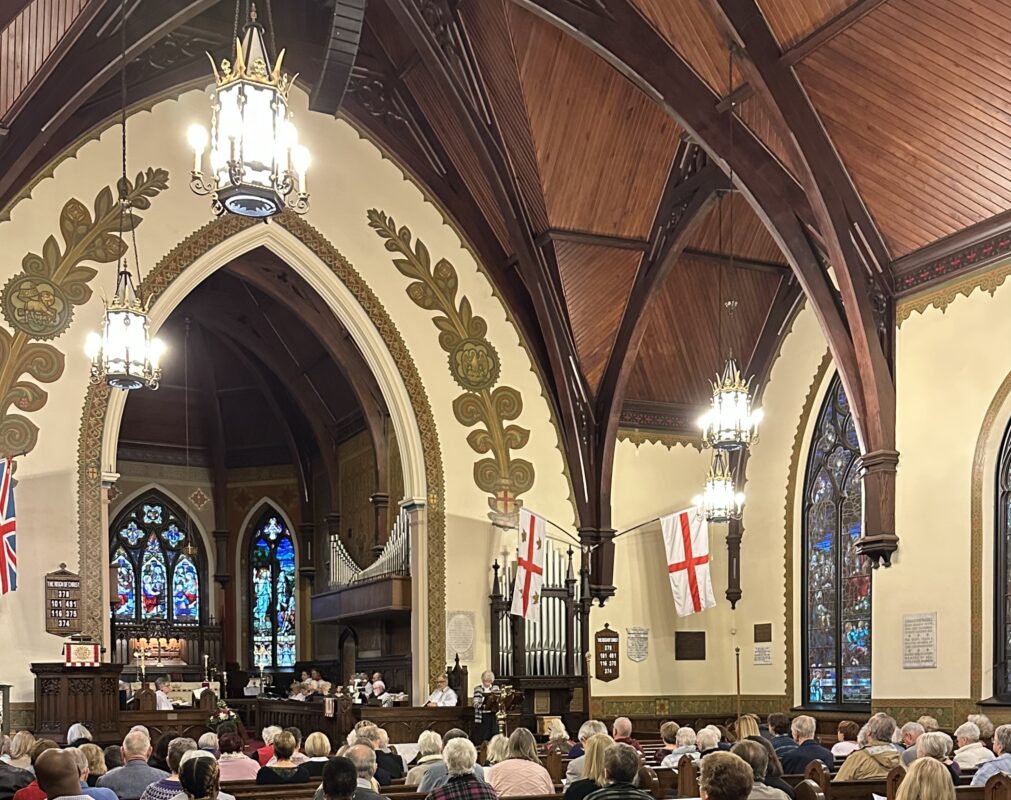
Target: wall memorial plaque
63, 602
919, 641
689, 645
459, 635
637, 647
607, 642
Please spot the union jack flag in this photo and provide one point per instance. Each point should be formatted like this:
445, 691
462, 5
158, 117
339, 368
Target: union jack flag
8, 551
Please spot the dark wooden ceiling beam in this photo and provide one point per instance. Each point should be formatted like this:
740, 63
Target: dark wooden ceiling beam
737, 262
821, 35
846, 229
691, 190
439, 41
785, 305
90, 61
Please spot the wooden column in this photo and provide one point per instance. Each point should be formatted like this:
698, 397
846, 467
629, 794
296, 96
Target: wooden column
878, 540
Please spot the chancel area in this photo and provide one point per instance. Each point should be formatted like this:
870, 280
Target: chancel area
505, 398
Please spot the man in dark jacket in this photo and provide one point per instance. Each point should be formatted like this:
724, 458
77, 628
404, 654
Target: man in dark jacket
807, 750
12, 779
782, 741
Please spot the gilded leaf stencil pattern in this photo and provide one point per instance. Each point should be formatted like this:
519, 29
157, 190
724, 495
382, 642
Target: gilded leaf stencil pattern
474, 365
38, 302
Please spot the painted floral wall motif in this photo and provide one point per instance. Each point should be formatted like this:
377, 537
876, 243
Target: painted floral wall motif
38, 302
475, 366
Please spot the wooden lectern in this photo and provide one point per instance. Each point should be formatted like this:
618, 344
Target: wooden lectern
65, 695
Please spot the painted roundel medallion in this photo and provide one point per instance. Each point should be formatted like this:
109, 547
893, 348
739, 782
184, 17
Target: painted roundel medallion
36, 306
474, 364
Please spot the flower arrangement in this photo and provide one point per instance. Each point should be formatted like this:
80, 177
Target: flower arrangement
222, 714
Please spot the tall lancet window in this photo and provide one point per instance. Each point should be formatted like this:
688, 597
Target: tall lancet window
1002, 570
836, 579
272, 592
159, 563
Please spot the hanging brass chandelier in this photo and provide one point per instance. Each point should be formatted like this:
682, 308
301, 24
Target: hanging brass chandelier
257, 166
720, 500
124, 355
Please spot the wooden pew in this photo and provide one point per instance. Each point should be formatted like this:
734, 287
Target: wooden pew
649, 782
688, 777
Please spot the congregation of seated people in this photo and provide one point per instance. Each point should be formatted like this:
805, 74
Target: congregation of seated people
747, 760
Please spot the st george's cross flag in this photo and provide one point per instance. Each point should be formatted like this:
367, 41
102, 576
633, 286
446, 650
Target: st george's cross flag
530, 565
686, 538
8, 552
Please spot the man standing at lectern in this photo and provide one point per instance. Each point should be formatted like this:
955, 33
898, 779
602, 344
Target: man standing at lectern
443, 696
162, 688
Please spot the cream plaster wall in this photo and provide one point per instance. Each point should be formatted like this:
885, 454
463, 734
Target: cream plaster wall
349, 176
650, 480
950, 365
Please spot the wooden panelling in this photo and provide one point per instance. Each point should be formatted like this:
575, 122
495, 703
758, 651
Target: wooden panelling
437, 109
488, 27
749, 236
792, 20
680, 352
604, 148
915, 98
596, 281
689, 27
29, 40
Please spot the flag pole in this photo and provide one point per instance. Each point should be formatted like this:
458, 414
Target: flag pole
737, 658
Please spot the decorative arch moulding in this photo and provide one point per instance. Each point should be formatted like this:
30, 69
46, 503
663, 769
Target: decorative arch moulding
988, 278
97, 401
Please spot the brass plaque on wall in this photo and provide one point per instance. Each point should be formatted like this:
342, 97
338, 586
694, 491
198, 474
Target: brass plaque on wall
689, 645
763, 632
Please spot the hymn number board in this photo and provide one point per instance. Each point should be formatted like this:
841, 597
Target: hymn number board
63, 602
607, 642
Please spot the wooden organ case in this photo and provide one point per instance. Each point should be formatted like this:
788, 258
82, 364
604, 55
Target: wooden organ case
545, 657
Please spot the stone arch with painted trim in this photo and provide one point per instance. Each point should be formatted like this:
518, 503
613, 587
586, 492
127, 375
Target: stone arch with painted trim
329, 273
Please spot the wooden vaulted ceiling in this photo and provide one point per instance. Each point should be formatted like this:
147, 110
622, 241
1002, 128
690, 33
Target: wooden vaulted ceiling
580, 146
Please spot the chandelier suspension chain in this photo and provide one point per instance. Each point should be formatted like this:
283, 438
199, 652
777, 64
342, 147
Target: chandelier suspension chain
730, 214
270, 24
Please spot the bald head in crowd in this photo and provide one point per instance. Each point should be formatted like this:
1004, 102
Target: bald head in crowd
57, 774
137, 744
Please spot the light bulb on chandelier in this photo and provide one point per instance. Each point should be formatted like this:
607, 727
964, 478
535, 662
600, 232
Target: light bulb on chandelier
720, 501
257, 167
124, 355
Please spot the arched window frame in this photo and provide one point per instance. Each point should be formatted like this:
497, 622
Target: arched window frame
834, 455
172, 554
259, 529
1002, 566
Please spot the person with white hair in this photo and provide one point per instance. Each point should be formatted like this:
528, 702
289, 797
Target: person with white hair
621, 731
484, 718
209, 742
265, 753
929, 724
429, 753
438, 775
577, 758
877, 757
460, 757
969, 751
708, 741
938, 746
1002, 763
385, 760
380, 697
77, 735
558, 738
685, 740
910, 733
985, 726
808, 747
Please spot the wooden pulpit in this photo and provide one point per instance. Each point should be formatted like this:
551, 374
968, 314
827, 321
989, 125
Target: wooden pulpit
65, 695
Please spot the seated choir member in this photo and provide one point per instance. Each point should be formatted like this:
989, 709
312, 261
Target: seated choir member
283, 770
521, 773
438, 774
380, 697
235, 765
442, 696
429, 752
162, 687
758, 759
130, 780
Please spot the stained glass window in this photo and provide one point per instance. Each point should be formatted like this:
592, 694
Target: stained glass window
157, 575
837, 580
1002, 568
272, 592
